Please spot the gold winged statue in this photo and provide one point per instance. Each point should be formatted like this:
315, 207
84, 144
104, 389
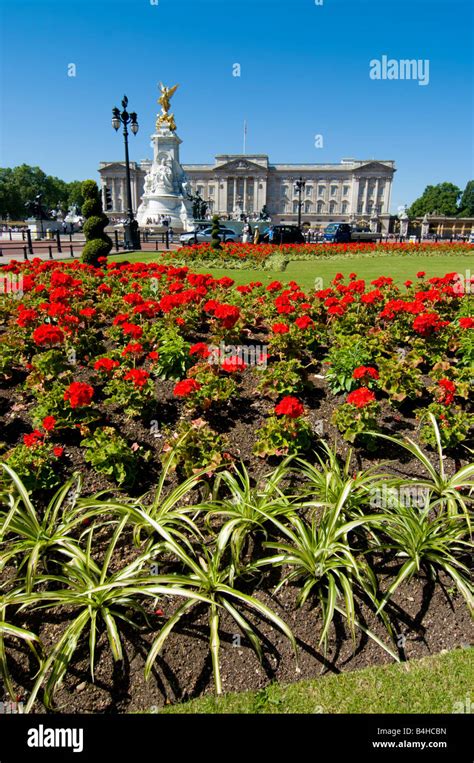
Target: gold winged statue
165, 118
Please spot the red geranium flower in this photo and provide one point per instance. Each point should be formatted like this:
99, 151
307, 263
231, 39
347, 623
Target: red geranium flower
58, 451
200, 349
106, 364
466, 323
79, 394
48, 334
138, 377
132, 348
428, 323
365, 373
233, 365
49, 422
447, 390
35, 438
304, 322
227, 314
186, 387
280, 328
132, 330
289, 406
361, 397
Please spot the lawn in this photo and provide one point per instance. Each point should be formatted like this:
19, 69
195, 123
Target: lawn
438, 684
400, 268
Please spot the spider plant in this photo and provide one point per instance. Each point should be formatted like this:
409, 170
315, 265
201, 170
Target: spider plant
325, 481
319, 555
445, 493
247, 507
98, 596
39, 537
433, 542
10, 630
206, 577
167, 508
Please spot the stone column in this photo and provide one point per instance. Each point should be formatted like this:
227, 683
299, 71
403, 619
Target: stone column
366, 196
114, 195
224, 196
244, 202
354, 201
376, 195
256, 183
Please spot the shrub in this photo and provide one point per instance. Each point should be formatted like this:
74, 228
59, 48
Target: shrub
215, 238
98, 243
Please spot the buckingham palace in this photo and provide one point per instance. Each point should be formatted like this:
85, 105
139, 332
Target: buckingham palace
239, 184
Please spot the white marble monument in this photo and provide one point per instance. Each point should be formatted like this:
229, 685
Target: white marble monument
166, 184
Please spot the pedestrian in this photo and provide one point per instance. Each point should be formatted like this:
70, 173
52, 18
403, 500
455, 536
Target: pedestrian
271, 234
256, 235
246, 233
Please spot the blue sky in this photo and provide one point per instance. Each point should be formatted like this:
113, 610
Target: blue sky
304, 71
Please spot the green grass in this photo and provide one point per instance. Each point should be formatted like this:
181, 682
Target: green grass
400, 268
431, 685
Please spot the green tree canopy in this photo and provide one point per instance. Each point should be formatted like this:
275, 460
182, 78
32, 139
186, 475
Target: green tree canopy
21, 184
466, 205
441, 199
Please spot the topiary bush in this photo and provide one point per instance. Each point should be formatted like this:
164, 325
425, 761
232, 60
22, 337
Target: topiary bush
98, 243
215, 238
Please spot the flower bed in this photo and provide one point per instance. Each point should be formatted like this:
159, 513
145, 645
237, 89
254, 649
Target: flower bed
157, 381
265, 255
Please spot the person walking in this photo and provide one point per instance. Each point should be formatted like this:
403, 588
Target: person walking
246, 233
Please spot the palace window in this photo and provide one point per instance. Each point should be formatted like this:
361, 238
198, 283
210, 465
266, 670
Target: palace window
308, 207
332, 207
321, 190
320, 207
345, 206
333, 190
345, 190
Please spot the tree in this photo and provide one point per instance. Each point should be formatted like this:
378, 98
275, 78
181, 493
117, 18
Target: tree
215, 238
441, 199
98, 243
466, 205
21, 184
75, 194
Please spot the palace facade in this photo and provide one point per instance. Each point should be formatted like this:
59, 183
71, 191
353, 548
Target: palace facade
245, 183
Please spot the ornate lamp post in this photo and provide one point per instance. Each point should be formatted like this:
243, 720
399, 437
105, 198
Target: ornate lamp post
299, 187
131, 233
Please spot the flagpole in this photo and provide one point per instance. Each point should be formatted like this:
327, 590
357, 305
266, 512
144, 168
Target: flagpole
245, 135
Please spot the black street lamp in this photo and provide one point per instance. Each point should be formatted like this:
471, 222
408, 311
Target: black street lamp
299, 186
131, 233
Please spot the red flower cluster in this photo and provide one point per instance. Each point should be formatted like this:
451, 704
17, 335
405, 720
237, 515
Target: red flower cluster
185, 387
79, 394
280, 328
290, 406
138, 377
361, 397
447, 389
48, 334
34, 438
428, 323
233, 365
200, 349
106, 364
228, 315
365, 373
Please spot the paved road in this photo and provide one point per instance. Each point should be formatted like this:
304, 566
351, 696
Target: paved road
15, 250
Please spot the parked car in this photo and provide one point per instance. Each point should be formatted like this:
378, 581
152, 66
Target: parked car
343, 233
204, 236
283, 234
